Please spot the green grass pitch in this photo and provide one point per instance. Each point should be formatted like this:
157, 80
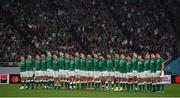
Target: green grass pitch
12, 90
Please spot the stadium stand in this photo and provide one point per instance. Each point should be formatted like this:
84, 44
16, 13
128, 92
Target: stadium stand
102, 26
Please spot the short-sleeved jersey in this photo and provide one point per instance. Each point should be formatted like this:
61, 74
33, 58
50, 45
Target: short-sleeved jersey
67, 64
29, 65
83, 64
49, 61
38, 65
55, 65
140, 66
122, 66
72, 65
134, 63
146, 65
22, 66
95, 64
61, 62
128, 67
89, 64
159, 62
109, 64
102, 65
77, 62
116, 64
153, 65
44, 64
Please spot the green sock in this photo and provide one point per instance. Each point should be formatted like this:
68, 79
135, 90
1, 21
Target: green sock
106, 85
155, 86
89, 85
136, 85
127, 86
82, 85
139, 85
131, 86
112, 85
23, 84
52, 83
121, 85
143, 86
162, 87
36, 84
99, 86
32, 84
147, 85
124, 86
116, 85
93, 84
150, 87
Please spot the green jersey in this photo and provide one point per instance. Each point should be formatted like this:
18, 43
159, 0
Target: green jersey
95, 64
83, 64
116, 64
159, 62
49, 60
61, 62
109, 64
102, 65
55, 65
129, 66
134, 63
146, 65
140, 66
29, 65
153, 65
77, 62
38, 65
44, 64
89, 64
72, 65
67, 63
122, 66
22, 66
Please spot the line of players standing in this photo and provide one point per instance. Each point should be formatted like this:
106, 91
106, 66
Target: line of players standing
93, 72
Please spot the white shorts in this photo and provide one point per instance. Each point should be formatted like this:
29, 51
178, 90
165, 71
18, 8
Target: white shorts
29, 73
139, 75
100, 73
123, 75
134, 73
61, 72
22, 74
76, 72
55, 74
158, 73
129, 75
66, 73
91, 74
116, 74
44, 73
71, 73
106, 73
120, 74
147, 74
153, 75
96, 74
112, 73
38, 73
50, 72
83, 73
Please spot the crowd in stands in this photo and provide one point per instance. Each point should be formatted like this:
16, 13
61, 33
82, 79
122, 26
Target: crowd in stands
101, 26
